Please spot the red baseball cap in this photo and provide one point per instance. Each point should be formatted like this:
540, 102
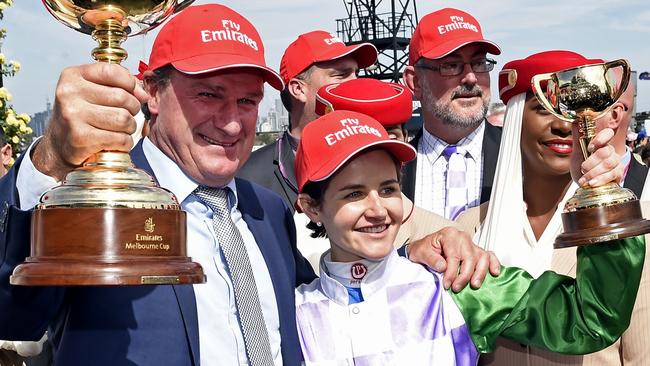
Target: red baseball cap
516, 75
207, 38
319, 46
333, 139
444, 31
389, 103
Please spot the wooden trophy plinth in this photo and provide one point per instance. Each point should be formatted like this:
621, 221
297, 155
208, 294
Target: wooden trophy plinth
603, 223
107, 246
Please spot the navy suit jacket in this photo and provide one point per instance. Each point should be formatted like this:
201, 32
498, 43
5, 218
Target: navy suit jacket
635, 177
139, 325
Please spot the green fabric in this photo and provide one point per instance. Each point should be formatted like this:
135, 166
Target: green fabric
556, 312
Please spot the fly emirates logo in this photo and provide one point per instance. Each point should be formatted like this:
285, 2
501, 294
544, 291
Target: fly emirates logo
333, 39
231, 32
349, 128
456, 23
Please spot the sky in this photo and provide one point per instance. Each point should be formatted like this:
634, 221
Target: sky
608, 29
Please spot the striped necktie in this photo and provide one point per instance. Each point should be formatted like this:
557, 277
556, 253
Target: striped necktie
256, 337
456, 185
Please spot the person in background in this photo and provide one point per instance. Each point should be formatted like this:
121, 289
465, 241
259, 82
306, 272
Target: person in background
5, 154
495, 114
618, 119
448, 72
312, 60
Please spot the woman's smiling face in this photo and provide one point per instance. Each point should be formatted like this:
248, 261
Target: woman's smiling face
546, 142
361, 208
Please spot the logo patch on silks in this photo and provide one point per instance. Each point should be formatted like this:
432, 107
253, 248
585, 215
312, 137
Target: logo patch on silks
358, 271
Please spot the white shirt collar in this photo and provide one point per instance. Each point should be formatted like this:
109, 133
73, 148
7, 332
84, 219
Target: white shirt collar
472, 143
172, 177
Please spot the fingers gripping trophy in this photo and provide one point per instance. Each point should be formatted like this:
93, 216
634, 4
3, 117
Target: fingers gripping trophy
109, 223
581, 95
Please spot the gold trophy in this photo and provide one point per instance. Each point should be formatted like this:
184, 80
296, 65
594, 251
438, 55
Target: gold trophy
109, 223
581, 95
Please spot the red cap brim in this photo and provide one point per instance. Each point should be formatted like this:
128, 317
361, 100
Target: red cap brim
450, 46
402, 151
364, 53
213, 62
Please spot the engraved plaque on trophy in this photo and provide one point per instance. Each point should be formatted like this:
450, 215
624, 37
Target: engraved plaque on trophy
581, 95
109, 223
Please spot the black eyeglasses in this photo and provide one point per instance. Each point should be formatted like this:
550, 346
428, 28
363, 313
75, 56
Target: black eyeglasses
455, 68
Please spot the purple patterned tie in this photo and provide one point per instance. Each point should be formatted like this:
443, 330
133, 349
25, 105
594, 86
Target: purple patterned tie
456, 186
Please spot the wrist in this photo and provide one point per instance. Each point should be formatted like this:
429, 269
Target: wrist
47, 161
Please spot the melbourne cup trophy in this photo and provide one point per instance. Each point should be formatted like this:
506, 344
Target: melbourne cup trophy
581, 95
109, 223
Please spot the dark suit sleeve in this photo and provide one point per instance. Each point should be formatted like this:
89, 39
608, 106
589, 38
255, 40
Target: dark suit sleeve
304, 271
25, 312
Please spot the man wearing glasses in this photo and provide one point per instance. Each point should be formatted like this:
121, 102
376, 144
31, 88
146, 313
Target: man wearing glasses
457, 150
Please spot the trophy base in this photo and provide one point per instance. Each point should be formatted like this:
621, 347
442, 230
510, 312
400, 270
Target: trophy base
107, 246
603, 223
35, 272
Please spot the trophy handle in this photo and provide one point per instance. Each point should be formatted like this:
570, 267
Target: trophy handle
541, 96
625, 76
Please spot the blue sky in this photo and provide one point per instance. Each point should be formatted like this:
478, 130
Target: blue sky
605, 29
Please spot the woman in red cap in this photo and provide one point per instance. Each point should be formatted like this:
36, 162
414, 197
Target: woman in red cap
523, 217
371, 306
391, 104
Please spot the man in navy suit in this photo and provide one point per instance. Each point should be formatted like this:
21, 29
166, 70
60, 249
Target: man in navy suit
203, 86
205, 83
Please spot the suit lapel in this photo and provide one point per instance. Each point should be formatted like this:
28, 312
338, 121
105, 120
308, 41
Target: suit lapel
253, 214
491, 142
184, 293
635, 177
187, 305
409, 171
276, 263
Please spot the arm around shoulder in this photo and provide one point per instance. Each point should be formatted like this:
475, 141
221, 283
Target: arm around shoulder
555, 312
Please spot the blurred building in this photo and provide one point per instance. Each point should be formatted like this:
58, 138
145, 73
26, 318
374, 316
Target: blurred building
40, 120
275, 120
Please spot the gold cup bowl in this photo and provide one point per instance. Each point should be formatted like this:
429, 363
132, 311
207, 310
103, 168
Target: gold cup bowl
581, 95
109, 223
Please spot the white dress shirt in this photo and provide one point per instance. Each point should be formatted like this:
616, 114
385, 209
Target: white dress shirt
219, 330
431, 170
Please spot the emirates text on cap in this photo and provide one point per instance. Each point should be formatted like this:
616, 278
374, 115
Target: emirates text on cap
229, 32
456, 23
350, 128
